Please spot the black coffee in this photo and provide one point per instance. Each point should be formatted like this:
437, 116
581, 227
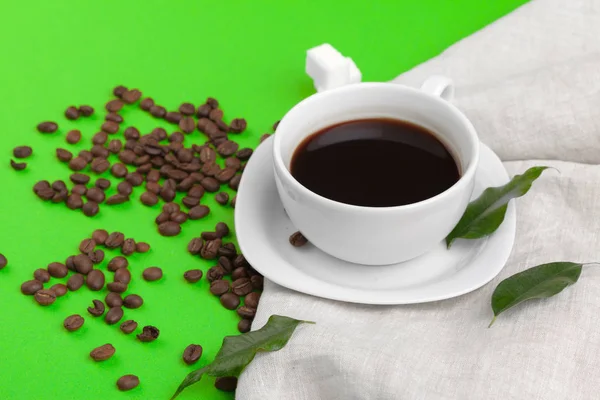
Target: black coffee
374, 163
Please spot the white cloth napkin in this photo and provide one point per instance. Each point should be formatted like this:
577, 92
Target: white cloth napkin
530, 83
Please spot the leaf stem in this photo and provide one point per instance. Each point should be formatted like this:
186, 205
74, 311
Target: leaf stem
492, 323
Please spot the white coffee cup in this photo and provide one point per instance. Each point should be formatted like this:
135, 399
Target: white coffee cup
377, 235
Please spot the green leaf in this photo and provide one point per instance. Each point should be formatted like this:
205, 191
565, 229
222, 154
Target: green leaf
237, 351
538, 282
485, 214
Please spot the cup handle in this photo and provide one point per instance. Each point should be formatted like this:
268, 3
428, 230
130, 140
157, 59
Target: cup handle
439, 86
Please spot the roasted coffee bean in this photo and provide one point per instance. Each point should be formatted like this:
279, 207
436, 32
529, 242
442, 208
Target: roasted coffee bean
233, 162
195, 245
96, 256
230, 301
210, 184
47, 127
110, 127
226, 264
117, 199
190, 201
114, 240
149, 334
95, 280
60, 197
114, 117
83, 264
222, 198
185, 185
221, 229
149, 198
238, 125
117, 287
209, 251
73, 136
86, 111
73, 322
59, 185
240, 261
170, 208
127, 156
297, 239
114, 105
99, 236
264, 137
241, 287
75, 282
257, 282
98, 308
252, 300
57, 270
3, 261
142, 247
209, 235
152, 273
64, 155
227, 148
226, 384
131, 96
128, 326
81, 190
133, 301
125, 188
187, 124
77, 164
69, 263
41, 275
90, 208
18, 166
167, 194
59, 289
179, 217
128, 382
219, 287
114, 315
128, 247
173, 117
177, 174
158, 111
22, 151
87, 246
215, 114
225, 175
187, 109
215, 273
99, 138
193, 275
203, 111
239, 273
99, 165
246, 312
207, 155
122, 275
169, 228
113, 300
244, 154
176, 137
146, 104
119, 90
196, 191
103, 352
95, 194
118, 170
78, 178
192, 354
234, 183
131, 133
45, 297
162, 218
244, 325
32, 286
135, 178
159, 133
210, 169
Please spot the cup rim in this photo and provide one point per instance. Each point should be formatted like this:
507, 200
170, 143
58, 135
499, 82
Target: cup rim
283, 172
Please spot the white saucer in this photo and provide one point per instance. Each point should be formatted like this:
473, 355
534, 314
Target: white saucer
263, 230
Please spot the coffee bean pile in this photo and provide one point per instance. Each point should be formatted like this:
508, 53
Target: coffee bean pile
158, 161
232, 278
83, 273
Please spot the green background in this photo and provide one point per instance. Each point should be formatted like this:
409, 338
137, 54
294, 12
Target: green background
248, 54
